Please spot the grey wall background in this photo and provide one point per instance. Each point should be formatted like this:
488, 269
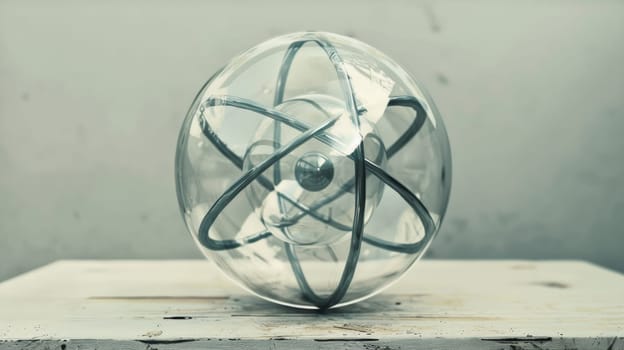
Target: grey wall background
92, 96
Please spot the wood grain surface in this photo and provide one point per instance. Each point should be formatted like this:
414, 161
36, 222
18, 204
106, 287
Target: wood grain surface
188, 304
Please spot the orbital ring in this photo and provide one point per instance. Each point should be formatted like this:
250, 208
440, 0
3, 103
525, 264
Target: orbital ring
372, 168
360, 164
327, 139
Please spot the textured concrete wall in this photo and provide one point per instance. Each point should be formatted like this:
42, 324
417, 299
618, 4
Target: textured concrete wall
92, 96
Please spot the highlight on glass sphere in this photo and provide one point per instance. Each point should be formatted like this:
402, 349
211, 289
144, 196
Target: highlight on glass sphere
313, 170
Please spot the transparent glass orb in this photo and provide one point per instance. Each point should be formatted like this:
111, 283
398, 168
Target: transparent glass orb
313, 170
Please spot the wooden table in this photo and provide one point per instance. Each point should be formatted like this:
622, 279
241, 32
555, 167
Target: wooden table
189, 305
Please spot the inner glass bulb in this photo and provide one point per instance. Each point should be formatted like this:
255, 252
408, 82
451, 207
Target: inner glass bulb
307, 198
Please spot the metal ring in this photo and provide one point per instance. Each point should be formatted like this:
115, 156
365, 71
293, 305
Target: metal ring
361, 165
418, 206
357, 231
373, 168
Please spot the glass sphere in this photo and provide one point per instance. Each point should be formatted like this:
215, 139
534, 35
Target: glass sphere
313, 170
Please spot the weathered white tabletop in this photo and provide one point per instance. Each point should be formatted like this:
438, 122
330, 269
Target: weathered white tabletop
189, 305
